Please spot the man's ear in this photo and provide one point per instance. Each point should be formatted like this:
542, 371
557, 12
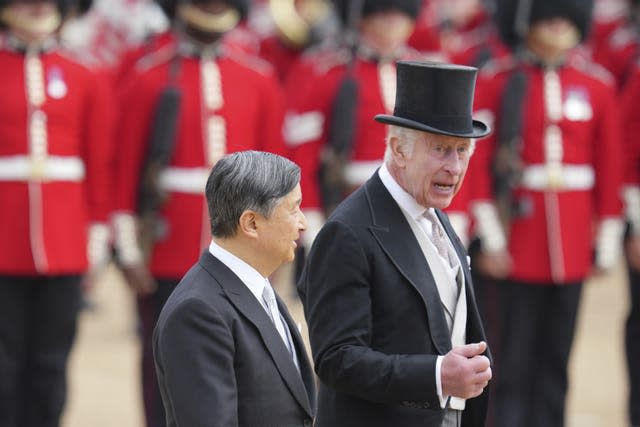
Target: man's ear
398, 151
247, 224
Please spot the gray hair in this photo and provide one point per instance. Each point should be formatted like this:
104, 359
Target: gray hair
247, 180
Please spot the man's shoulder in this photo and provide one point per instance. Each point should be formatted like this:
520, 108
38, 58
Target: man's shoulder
251, 66
353, 209
198, 284
322, 59
591, 71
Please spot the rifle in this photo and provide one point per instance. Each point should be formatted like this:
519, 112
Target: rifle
161, 144
507, 165
337, 153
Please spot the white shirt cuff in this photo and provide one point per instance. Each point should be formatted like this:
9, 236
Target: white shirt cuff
443, 399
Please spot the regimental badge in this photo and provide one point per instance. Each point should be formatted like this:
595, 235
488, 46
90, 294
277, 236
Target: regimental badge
577, 106
56, 86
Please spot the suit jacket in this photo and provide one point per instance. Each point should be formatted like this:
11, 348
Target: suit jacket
220, 360
376, 322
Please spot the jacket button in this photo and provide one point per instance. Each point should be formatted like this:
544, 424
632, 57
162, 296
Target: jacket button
307, 423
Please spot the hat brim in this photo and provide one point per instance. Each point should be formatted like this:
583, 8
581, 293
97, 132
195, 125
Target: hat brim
479, 129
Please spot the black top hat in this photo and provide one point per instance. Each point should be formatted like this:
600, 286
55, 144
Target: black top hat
437, 98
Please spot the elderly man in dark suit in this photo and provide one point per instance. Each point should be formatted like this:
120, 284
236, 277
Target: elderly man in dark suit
393, 323
227, 352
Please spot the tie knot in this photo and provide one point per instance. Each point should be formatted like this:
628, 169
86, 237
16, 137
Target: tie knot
435, 223
268, 294
430, 215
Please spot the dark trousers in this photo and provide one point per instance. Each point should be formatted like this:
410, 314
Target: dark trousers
37, 330
537, 330
149, 308
632, 346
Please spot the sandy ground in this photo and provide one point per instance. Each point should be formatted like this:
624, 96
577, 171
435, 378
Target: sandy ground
103, 372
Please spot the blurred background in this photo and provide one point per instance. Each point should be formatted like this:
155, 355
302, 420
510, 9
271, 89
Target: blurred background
301, 44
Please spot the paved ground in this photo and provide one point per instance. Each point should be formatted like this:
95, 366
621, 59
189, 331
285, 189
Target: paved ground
104, 390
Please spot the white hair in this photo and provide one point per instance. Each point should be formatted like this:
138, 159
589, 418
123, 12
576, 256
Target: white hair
407, 138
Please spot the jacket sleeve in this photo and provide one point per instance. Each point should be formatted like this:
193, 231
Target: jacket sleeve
98, 152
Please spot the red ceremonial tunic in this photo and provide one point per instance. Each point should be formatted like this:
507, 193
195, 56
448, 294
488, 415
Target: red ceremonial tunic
55, 160
229, 102
571, 155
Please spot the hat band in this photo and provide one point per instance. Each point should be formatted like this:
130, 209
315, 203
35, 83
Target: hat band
453, 124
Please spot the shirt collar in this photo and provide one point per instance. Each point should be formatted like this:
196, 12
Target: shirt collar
528, 57
369, 54
406, 202
192, 48
247, 274
14, 44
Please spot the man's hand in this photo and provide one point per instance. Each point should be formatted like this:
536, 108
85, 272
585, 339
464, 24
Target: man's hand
139, 278
90, 278
465, 372
494, 264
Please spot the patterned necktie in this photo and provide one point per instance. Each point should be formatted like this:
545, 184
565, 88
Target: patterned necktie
269, 297
437, 235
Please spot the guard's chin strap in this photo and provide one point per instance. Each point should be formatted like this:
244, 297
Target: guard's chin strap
194, 17
42, 25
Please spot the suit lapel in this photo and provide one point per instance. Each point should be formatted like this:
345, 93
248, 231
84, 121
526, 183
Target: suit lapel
393, 233
306, 370
246, 303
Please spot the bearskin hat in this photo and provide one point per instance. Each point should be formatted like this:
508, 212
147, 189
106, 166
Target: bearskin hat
513, 17
63, 5
83, 6
410, 7
169, 7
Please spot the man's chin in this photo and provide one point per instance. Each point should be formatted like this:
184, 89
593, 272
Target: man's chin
441, 202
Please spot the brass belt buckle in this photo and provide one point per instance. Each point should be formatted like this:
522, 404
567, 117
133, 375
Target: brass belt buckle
37, 170
555, 179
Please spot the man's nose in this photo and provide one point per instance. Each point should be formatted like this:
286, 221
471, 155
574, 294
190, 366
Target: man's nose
302, 222
454, 163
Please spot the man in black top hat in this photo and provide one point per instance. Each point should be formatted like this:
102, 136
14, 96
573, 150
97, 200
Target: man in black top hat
332, 94
393, 323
